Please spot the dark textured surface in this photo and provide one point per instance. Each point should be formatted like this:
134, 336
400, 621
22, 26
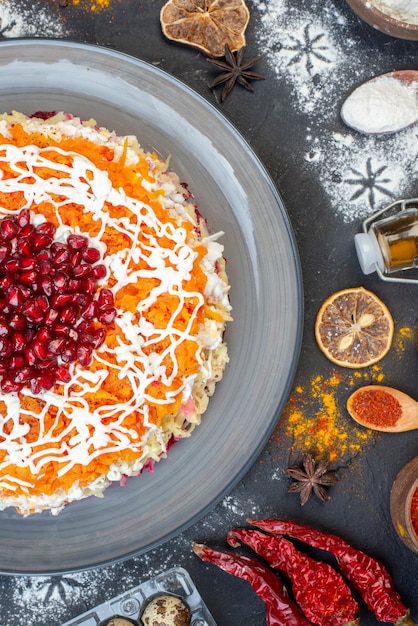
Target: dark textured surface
359, 509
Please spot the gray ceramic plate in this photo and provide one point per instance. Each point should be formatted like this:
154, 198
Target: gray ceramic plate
236, 195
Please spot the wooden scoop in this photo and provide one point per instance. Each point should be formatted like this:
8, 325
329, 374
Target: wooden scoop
369, 121
383, 408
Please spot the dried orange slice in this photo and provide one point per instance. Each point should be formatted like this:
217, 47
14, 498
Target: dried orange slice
354, 328
206, 24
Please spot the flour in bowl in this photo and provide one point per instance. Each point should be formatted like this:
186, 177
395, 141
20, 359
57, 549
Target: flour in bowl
402, 10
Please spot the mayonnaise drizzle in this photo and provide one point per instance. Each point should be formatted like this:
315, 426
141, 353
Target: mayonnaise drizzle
84, 184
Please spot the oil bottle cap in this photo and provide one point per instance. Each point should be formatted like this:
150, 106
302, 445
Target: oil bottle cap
368, 252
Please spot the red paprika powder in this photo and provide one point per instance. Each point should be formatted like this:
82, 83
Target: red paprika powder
377, 406
414, 512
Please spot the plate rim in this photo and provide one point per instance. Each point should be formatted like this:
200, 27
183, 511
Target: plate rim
45, 43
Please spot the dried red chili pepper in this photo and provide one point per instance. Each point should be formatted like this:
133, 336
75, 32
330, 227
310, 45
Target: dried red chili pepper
368, 575
280, 609
320, 590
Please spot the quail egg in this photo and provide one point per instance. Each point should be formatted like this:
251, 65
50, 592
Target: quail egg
166, 610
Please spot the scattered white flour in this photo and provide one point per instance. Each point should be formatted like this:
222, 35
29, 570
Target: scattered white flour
47, 599
19, 21
382, 105
403, 10
314, 52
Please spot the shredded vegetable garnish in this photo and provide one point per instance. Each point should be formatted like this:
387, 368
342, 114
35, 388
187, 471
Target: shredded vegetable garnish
150, 380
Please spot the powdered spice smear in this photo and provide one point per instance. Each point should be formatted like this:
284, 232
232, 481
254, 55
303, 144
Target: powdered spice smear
317, 422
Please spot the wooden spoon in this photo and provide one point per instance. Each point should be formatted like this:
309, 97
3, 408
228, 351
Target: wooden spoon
372, 110
383, 408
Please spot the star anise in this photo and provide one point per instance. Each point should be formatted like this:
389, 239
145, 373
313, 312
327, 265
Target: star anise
235, 70
312, 478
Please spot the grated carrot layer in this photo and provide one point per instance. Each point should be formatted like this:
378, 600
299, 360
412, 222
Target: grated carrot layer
53, 431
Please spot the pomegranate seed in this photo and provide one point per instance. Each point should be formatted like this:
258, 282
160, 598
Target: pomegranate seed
62, 374
5, 347
74, 285
86, 340
31, 311
60, 281
24, 247
41, 241
61, 330
68, 315
9, 386
107, 315
31, 357
28, 263
27, 232
73, 334
57, 345
14, 296
91, 255
18, 341
76, 258
43, 335
5, 250
62, 255
8, 229
47, 364
5, 282
46, 228
105, 298
99, 337
4, 329
90, 311
46, 285
46, 381
84, 354
99, 271
77, 242
23, 219
51, 317
81, 300
66, 268
29, 278
40, 350
17, 322
17, 361
11, 266
42, 302
84, 326
45, 268
35, 386
61, 299
23, 375
81, 271
44, 255
69, 354
88, 285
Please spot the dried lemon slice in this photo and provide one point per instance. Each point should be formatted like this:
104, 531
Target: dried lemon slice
354, 328
206, 24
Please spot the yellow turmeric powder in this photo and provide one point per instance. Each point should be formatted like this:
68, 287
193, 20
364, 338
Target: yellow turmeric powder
316, 422
92, 5
404, 339
315, 417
